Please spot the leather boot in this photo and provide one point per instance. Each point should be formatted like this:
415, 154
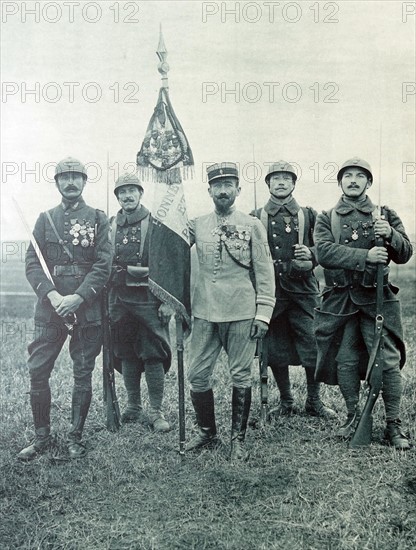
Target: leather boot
40, 402
286, 406
241, 402
132, 377
394, 436
314, 406
38, 445
206, 437
81, 400
155, 379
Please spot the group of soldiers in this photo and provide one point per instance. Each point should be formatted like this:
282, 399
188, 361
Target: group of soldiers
256, 281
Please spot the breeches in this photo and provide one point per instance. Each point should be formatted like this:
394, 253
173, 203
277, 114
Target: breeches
84, 346
291, 339
206, 342
359, 335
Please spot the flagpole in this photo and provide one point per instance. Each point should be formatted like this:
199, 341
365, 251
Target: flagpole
163, 69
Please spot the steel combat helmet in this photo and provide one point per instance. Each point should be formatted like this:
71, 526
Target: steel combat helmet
280, 166
355, 162
70, 164
127, 179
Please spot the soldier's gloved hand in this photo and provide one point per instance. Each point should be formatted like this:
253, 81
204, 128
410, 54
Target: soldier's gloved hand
55, 298
164, 313
302, 252
69, 304
377, 255
382, 228
258, 329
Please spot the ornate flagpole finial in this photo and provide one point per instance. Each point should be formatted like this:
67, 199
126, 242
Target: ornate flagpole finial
162, 54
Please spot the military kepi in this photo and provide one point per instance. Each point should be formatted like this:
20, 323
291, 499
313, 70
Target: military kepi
222, 170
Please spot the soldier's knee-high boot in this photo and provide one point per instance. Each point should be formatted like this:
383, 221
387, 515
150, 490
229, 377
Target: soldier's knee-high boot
155, 379
281, 375
241, 402
132, 377
81, 400
314, 406
40, 401
203, 403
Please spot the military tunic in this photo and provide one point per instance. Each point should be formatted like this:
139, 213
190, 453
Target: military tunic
78, 255
343, 239
225, 302
137, 331
290, 339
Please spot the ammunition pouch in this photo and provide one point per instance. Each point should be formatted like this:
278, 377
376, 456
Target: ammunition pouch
294, 269
342, 278
136, 275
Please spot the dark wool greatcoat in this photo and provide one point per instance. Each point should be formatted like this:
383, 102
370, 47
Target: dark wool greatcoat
297, 292
349, 281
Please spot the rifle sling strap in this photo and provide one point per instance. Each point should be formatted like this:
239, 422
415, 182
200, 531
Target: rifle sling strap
374, 348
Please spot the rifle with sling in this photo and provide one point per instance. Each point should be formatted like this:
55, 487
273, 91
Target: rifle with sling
263, 366
374, 375
111, 407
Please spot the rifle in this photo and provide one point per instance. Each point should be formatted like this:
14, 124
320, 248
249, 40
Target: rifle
263, 360
373, 379
109, 386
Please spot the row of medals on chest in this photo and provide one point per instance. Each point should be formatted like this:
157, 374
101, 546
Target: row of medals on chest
133, 238
354, 228
236, 238
83, 233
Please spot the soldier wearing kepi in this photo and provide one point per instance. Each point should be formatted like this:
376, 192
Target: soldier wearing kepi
73, 239
290, 339
229, 312
140, 322
345, 241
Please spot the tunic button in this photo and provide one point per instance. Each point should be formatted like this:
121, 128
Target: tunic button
213, 280
66, 213
273, 222
274, 235
280, 273
214, 272
276, 247
346, 241
65, 242
65, 232
66, 223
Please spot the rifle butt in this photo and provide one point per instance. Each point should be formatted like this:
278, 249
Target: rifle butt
362, 435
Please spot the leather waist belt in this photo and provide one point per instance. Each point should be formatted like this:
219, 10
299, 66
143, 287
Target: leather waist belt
75, 270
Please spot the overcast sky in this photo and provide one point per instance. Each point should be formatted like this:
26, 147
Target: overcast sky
307, 82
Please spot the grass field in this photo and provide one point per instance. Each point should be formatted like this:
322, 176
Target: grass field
301, 487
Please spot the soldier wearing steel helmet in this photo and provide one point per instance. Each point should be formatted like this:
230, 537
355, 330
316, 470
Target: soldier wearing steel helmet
73, 239
290, 339
140, 322
345, 242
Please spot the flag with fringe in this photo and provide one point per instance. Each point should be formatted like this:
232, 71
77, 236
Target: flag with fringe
165, 158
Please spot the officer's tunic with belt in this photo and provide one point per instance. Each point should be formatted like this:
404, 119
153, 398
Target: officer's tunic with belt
290, 339
78, 256
226, 297
138, 333
343, 239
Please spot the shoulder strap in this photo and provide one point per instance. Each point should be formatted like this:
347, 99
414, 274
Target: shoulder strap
143, 229
264, 218
301, 225
335, 225
60, 240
